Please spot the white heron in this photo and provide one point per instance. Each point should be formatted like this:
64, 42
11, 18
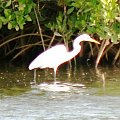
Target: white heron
56, 55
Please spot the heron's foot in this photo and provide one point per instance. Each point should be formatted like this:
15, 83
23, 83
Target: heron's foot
33, 83
56, 82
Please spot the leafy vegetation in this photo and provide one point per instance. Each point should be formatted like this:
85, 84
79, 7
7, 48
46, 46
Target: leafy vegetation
41, 22
15, 13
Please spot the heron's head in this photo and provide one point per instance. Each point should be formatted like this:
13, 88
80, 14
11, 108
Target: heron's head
85, 37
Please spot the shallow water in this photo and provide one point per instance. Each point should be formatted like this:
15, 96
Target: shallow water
97, 99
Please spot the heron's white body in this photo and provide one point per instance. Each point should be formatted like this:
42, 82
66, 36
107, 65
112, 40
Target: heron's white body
53, 57
58, 54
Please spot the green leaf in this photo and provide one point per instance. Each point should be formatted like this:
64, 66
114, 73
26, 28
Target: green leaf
14, 23
28, 8
87, 10
7, 12
8, 3
9, 26
114, 38
70, 10
17, 27
116, 27
3, 20
28, 18
60, 17
21, 26
21, 7
22, 1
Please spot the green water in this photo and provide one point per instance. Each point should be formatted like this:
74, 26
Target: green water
98, 99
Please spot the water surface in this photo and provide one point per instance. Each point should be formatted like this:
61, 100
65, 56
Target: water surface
98, 99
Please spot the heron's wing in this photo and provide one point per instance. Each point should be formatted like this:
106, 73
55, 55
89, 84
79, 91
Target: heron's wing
50, 58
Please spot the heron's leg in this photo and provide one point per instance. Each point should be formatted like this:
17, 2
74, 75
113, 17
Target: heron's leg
34, 76
55, 70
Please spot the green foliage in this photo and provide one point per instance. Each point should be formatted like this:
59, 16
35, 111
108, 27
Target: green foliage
103, 20
15, 13
99, 17
67, 17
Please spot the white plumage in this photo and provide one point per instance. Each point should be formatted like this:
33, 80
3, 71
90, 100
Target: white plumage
58, 54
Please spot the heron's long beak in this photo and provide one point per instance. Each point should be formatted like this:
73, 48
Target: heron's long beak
92, 40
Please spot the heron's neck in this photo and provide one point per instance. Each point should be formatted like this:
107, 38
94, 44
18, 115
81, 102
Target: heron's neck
75, 51
76, 48
76, 45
